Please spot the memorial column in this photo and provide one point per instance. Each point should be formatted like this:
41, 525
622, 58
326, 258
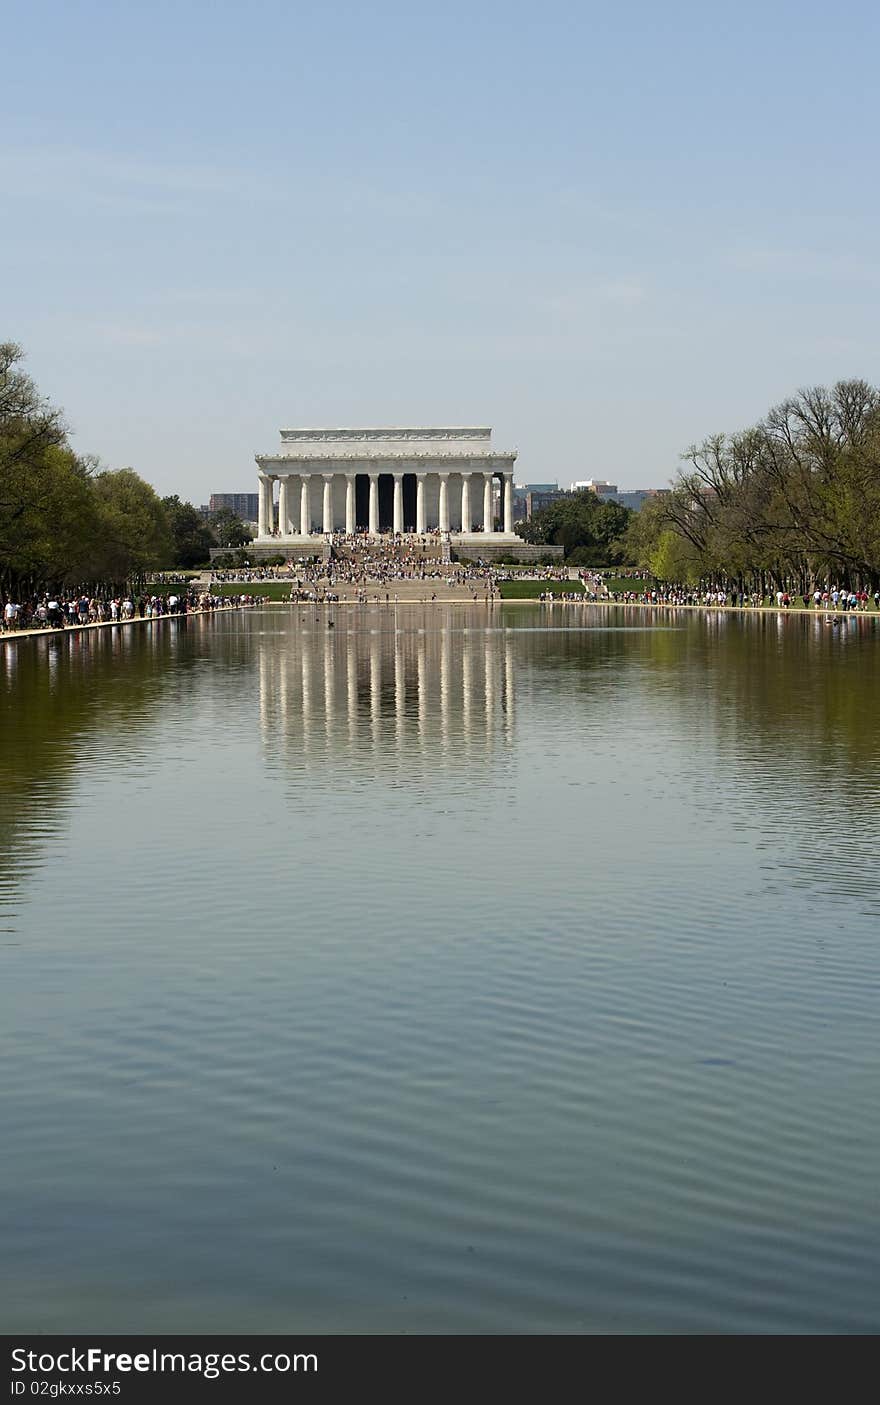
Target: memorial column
508, 502
328, 503
444, 502
350, 522
465, 502
283, 507
398, 504
262, 520
420, 504
488, 503
305, 508
374, 504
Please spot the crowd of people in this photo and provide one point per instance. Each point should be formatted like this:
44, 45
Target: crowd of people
532, 573
61, 611
364, 570
253, 574
371, 568
829, 597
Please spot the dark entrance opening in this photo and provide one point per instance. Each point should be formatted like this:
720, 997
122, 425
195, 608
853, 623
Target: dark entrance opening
386, 502
362, 502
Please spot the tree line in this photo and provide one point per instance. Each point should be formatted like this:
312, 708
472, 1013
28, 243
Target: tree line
66, 521
591, 529
793, 501
788, 504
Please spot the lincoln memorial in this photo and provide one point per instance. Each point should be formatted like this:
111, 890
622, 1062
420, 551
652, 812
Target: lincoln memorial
450, 481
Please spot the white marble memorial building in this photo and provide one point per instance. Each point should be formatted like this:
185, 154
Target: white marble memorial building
386, 480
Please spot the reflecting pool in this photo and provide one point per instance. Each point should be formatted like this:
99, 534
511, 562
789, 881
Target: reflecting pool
441, 969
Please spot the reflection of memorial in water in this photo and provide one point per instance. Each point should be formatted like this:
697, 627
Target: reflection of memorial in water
382, 686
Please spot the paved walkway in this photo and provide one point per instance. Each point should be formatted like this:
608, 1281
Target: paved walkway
730, 609
42, 631
421, 593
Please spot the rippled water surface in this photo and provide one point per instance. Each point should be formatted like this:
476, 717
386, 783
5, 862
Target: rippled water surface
446, 970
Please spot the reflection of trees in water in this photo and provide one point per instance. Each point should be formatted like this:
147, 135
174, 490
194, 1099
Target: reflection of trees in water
413, 686
69, 699
781, 713
774, 718
792, 705
787, 686
790, 683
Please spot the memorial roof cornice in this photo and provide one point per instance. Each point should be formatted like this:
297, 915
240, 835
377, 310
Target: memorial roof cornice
343, 432
405, 456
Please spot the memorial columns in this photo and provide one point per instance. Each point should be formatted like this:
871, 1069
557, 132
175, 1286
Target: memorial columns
374, 504
337, 509
420, 504
488, 503
444, 502
465, 502
452, 485
508, 502
283, 508
305, 508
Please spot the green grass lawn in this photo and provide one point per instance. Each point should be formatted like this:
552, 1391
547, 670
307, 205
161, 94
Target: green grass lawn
617, 585
532, 590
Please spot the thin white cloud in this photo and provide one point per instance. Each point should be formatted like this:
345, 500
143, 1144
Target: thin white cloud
574, 305
47, 171
120, 334
199, 338
625, 291
802, 263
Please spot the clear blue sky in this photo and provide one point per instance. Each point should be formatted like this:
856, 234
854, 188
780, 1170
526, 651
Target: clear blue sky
606, 230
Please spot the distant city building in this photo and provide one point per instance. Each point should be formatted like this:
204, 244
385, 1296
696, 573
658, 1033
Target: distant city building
530, 497
599, 486
535, 501
244, 505
637, 498
634, 498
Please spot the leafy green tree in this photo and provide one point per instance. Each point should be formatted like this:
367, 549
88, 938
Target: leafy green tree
582, 523
135, 533
48, 518
641, 536
228, 528
794, 500
673, 560
191, 536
